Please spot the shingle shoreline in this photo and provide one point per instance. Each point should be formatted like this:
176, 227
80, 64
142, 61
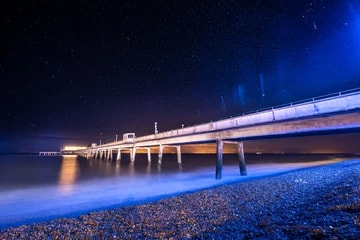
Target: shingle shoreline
315, 203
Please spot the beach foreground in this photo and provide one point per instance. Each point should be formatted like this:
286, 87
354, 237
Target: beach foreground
319, 202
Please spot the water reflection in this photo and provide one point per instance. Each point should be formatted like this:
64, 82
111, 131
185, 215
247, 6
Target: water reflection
148, 168
132, 168
159, 167
117, 168
68, 173
180, 166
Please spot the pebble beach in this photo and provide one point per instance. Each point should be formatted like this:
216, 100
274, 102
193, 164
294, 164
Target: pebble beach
320, 202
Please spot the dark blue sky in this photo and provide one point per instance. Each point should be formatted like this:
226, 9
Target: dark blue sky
82, 71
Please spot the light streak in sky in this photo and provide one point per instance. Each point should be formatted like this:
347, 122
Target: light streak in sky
262, 85
223, 104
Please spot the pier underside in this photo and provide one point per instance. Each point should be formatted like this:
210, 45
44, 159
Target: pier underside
341, 143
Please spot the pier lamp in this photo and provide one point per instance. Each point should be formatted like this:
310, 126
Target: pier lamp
116, 136
156, 130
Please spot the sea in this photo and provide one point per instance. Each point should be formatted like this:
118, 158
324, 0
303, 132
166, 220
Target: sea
37, 188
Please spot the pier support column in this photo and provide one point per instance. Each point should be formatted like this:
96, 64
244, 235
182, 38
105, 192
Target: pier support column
118, 157
132, 154
242, 164
160, 154
109, 157
178, 151
96, 154
219, 153
149, 154
101, 154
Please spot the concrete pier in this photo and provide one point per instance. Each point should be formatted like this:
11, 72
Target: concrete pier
317, 116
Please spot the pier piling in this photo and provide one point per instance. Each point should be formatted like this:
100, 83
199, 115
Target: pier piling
160, 154
219, 153
149, 154
118, 157
178, 151
242, 164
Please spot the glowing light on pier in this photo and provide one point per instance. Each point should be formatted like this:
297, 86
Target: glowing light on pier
73, 148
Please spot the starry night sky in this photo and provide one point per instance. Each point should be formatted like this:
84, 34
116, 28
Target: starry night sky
81, 71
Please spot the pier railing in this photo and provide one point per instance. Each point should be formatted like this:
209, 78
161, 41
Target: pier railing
341, 101
303, 108
49, 153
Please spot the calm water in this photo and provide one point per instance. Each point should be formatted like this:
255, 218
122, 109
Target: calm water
34, 188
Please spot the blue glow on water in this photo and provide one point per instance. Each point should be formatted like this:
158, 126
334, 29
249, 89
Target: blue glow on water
78, 186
